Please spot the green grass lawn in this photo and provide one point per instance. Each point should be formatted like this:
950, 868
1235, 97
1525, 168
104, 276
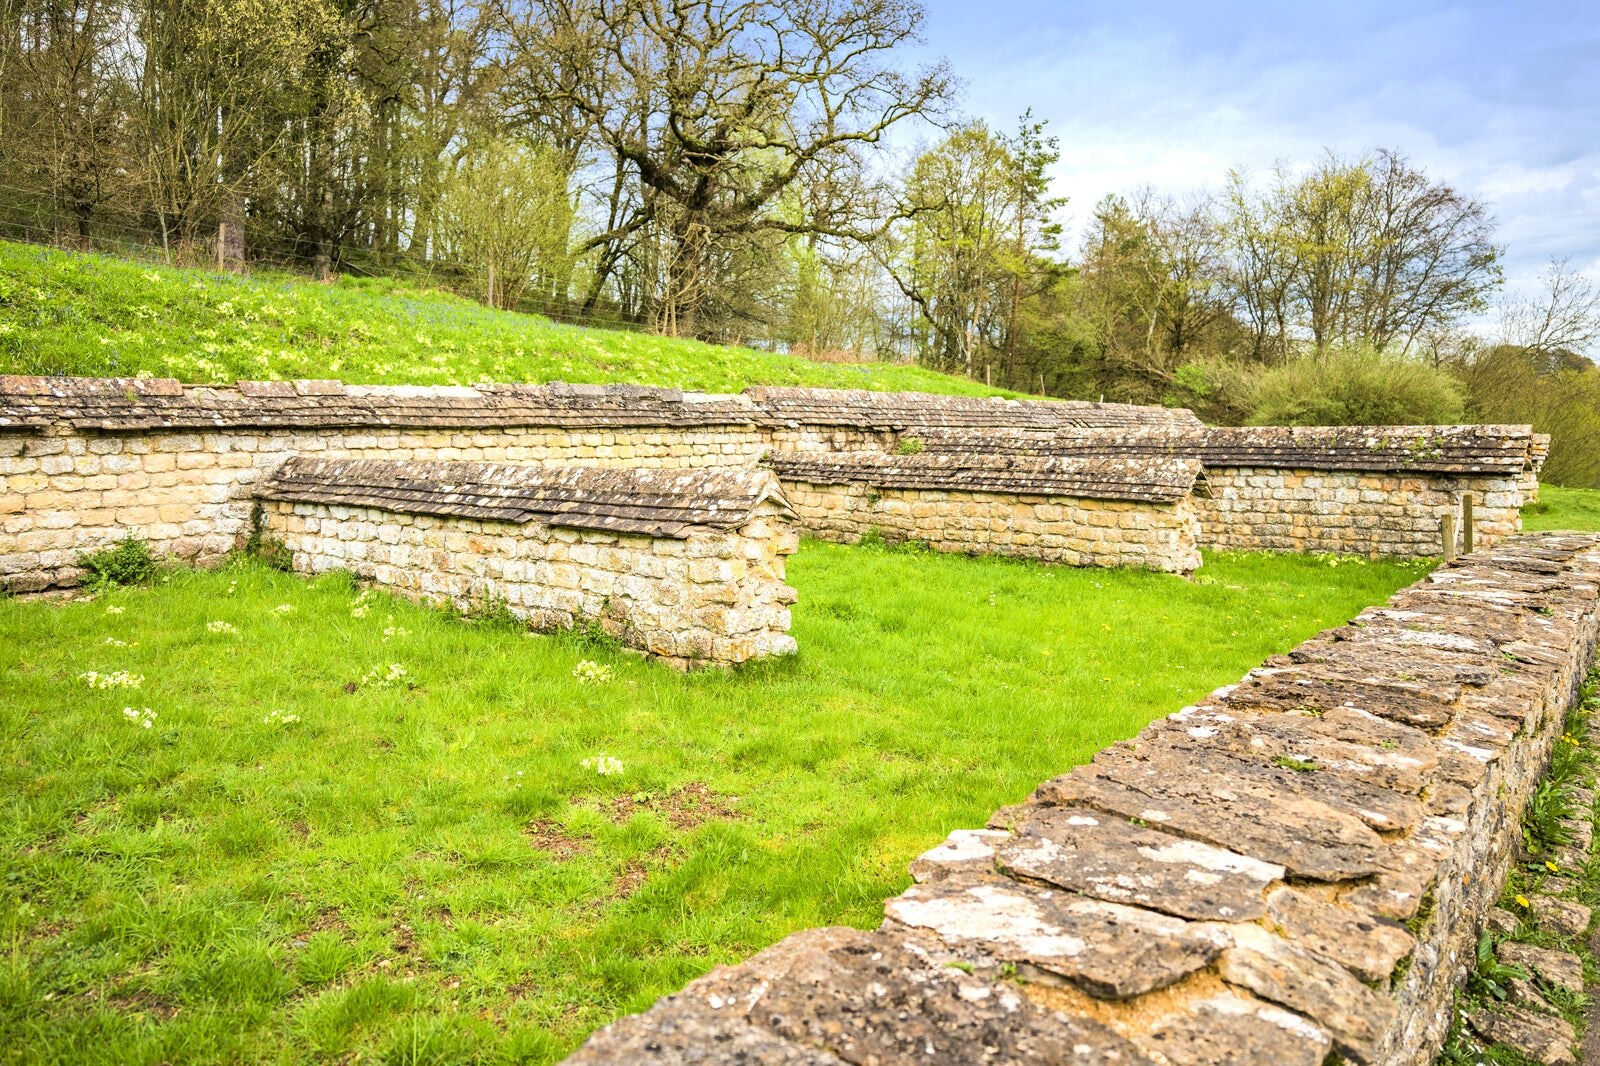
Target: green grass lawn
426, 871
93, 315
1560, 508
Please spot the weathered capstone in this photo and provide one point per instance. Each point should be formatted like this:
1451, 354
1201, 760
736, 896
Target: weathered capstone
1230, 886
1303, 981
1108, 857
1108, 950
1538, 1036
1557, 967
1230, 1028
1563, 917
831, 995
1365, 946
1307, 837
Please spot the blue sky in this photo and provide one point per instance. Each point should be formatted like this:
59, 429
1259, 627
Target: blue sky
1501, 100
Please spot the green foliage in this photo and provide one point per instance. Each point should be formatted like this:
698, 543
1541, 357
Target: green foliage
128, 562
1542, 828
909, 446
262, 546
227, 889
1490, 977
1354, 388
1559, 396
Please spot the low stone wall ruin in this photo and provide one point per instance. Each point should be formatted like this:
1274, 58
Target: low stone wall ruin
1362, 490
1083, 512
1294, 867
85, 461
687, 566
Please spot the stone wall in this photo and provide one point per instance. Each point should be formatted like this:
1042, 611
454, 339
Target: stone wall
1349, 512
1367, 490
686, 566
1295, 867
84, 462
188, 492
1046, 510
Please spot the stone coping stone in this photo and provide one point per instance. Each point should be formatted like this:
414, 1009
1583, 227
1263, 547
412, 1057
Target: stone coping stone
1481, 450
36, 404
901, 411
1230, 886
656, 503
1145, 479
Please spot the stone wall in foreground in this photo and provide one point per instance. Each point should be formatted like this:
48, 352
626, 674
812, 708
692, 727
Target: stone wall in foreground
1294, 867
685, 566
1393, 514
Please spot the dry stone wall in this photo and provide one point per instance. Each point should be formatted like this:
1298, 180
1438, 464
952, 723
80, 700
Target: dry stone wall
1367, 490
1295, 867
687, 566
188, 492
1356, 513
1084, 512
83, 462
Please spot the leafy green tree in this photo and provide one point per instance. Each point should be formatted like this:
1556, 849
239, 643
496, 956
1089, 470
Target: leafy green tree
507, 215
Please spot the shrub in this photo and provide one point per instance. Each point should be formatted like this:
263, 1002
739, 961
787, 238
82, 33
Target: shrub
1355, 388
127, 563
263, 546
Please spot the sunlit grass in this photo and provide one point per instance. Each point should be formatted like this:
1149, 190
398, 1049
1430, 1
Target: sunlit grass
1560, 508
429, 873
93, 315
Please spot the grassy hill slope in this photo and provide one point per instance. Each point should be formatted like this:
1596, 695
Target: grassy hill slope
92, 315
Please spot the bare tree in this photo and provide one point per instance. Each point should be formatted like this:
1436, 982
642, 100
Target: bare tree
1563, 317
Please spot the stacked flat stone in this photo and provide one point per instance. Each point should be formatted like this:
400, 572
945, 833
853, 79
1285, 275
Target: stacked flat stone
1118, 510
684, 565
1295, 866
1364, 490
909, 411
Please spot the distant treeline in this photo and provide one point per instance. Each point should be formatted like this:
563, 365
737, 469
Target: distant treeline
721, 170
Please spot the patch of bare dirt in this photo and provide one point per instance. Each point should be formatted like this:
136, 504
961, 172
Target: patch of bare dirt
552, 838
685, 808
140, 1001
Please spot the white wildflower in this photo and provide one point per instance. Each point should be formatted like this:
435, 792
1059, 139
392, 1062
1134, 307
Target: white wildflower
284, 608
379, 678
113, 642
602, 764
144, 717
589, 672
221, 627
395, 631
119, 679
280, 717
113, 609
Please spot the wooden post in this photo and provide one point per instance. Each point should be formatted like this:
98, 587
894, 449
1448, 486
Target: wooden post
491, 284
988, 375
1448, 523
222, 246
1466, 523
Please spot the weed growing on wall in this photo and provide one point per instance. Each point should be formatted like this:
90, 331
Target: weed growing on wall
128, 562
1545, 868
262, 546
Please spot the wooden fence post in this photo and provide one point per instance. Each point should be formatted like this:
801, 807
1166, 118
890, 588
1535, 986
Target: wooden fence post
1466, 523
1447, 522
